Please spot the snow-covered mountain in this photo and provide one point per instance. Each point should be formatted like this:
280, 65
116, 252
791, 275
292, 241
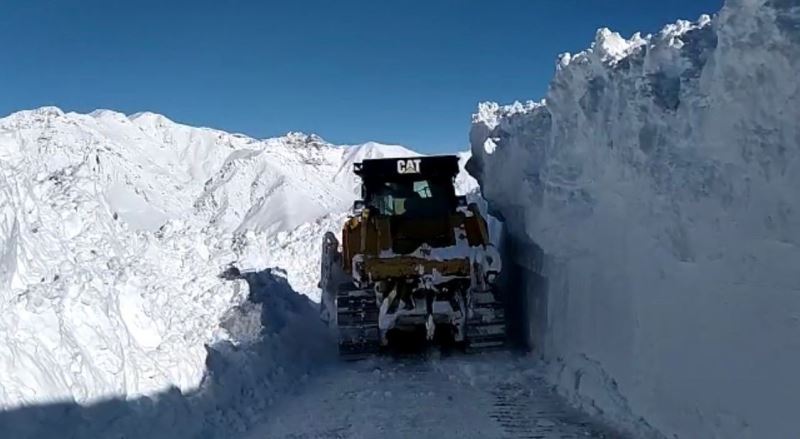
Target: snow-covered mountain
114, 230
656, 190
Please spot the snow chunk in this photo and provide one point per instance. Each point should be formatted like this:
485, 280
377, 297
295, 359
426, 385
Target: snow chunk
489, 146
611, 47
490, 113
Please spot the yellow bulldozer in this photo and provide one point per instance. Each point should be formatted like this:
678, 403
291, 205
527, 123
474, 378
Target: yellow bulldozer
414, 257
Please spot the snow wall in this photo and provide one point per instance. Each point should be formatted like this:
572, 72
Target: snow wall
652, 206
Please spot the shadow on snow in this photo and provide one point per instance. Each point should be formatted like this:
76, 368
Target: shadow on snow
279, 341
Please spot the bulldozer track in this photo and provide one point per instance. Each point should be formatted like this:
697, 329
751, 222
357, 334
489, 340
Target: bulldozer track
357, 319
486, 329
537, 413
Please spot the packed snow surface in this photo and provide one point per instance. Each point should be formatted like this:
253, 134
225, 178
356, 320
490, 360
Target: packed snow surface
470, 397
656, 190
114, 231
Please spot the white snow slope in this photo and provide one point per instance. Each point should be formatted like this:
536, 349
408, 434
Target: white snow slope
660, 178
114, 230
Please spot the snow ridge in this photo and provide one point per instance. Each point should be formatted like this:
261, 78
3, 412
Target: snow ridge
655, 189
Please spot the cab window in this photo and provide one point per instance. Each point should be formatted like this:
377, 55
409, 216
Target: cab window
411, 198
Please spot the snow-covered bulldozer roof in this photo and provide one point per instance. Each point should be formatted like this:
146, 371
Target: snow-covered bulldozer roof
408, 167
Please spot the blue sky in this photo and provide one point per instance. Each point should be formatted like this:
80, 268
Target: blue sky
407, 72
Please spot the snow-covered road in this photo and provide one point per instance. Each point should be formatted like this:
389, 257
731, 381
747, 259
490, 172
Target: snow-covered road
482, 396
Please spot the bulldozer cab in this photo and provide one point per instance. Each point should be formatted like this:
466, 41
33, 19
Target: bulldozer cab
409, 188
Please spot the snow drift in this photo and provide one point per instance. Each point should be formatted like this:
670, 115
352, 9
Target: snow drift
652, 206
114, 230
275, 342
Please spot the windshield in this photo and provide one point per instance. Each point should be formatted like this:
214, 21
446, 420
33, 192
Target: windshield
411, 198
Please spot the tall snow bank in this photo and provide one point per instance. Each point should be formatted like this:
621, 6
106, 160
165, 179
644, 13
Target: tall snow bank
653, 208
